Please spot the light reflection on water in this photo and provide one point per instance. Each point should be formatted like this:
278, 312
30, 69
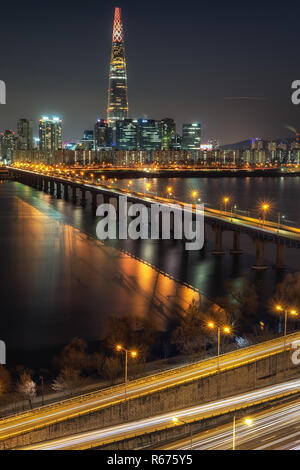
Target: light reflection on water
58, 283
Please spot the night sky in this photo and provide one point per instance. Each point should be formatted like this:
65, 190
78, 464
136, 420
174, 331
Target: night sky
185, 59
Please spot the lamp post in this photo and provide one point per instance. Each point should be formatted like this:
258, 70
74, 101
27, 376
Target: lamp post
169, 191
132, 354
265, 207
247, 421
225, 329
226, 200
177, 420
286, 311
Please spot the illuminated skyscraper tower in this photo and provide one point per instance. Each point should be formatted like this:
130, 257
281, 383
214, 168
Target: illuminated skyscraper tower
117, 93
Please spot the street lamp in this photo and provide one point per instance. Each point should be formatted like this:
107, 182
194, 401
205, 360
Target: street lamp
178, 420
226, 200
169, 191
247, 421
286, 311
265, 208
225, 329
132, 354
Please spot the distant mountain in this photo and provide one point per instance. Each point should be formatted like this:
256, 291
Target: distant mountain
245, 144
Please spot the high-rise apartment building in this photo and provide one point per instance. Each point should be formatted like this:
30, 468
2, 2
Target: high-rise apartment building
25, 136
50, 133
8, 143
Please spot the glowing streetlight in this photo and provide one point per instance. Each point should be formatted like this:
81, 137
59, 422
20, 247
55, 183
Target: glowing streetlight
225, 329
177, 421
286, 312
265, 207
226, 200
248, 422
169, 191
133, 354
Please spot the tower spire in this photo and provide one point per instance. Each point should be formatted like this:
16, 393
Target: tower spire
117, 92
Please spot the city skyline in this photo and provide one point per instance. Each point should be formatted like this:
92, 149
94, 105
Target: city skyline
161, 82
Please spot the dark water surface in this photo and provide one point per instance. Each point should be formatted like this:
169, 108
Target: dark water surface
58, 282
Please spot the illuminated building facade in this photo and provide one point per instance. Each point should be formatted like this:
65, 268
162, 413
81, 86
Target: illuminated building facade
50, 133
103, 135
149, 137
117, 93
168, 133
127, 134
191, 139
25, 137
87, 142
7, 144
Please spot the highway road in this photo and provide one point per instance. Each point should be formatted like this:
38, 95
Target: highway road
276, 428
109, 435
67, 409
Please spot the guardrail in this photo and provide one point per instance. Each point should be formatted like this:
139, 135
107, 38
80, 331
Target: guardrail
144, 380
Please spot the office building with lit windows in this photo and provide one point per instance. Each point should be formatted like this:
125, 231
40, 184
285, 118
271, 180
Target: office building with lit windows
191, 139
149, 137
168, 133
127, 134
103, 135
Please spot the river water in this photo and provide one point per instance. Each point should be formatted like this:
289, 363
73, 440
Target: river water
58, 281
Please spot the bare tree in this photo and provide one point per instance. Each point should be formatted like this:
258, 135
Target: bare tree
27, 387
5, 382
68, 381
112, 368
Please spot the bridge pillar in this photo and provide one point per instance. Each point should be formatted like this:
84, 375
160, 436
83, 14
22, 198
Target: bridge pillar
94, 201
83, 198
74, 197
236, 250
58, 190
218, 250
52, 187
66, 192
40, 184
106, 198
280, 256
259, 255
46, 185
